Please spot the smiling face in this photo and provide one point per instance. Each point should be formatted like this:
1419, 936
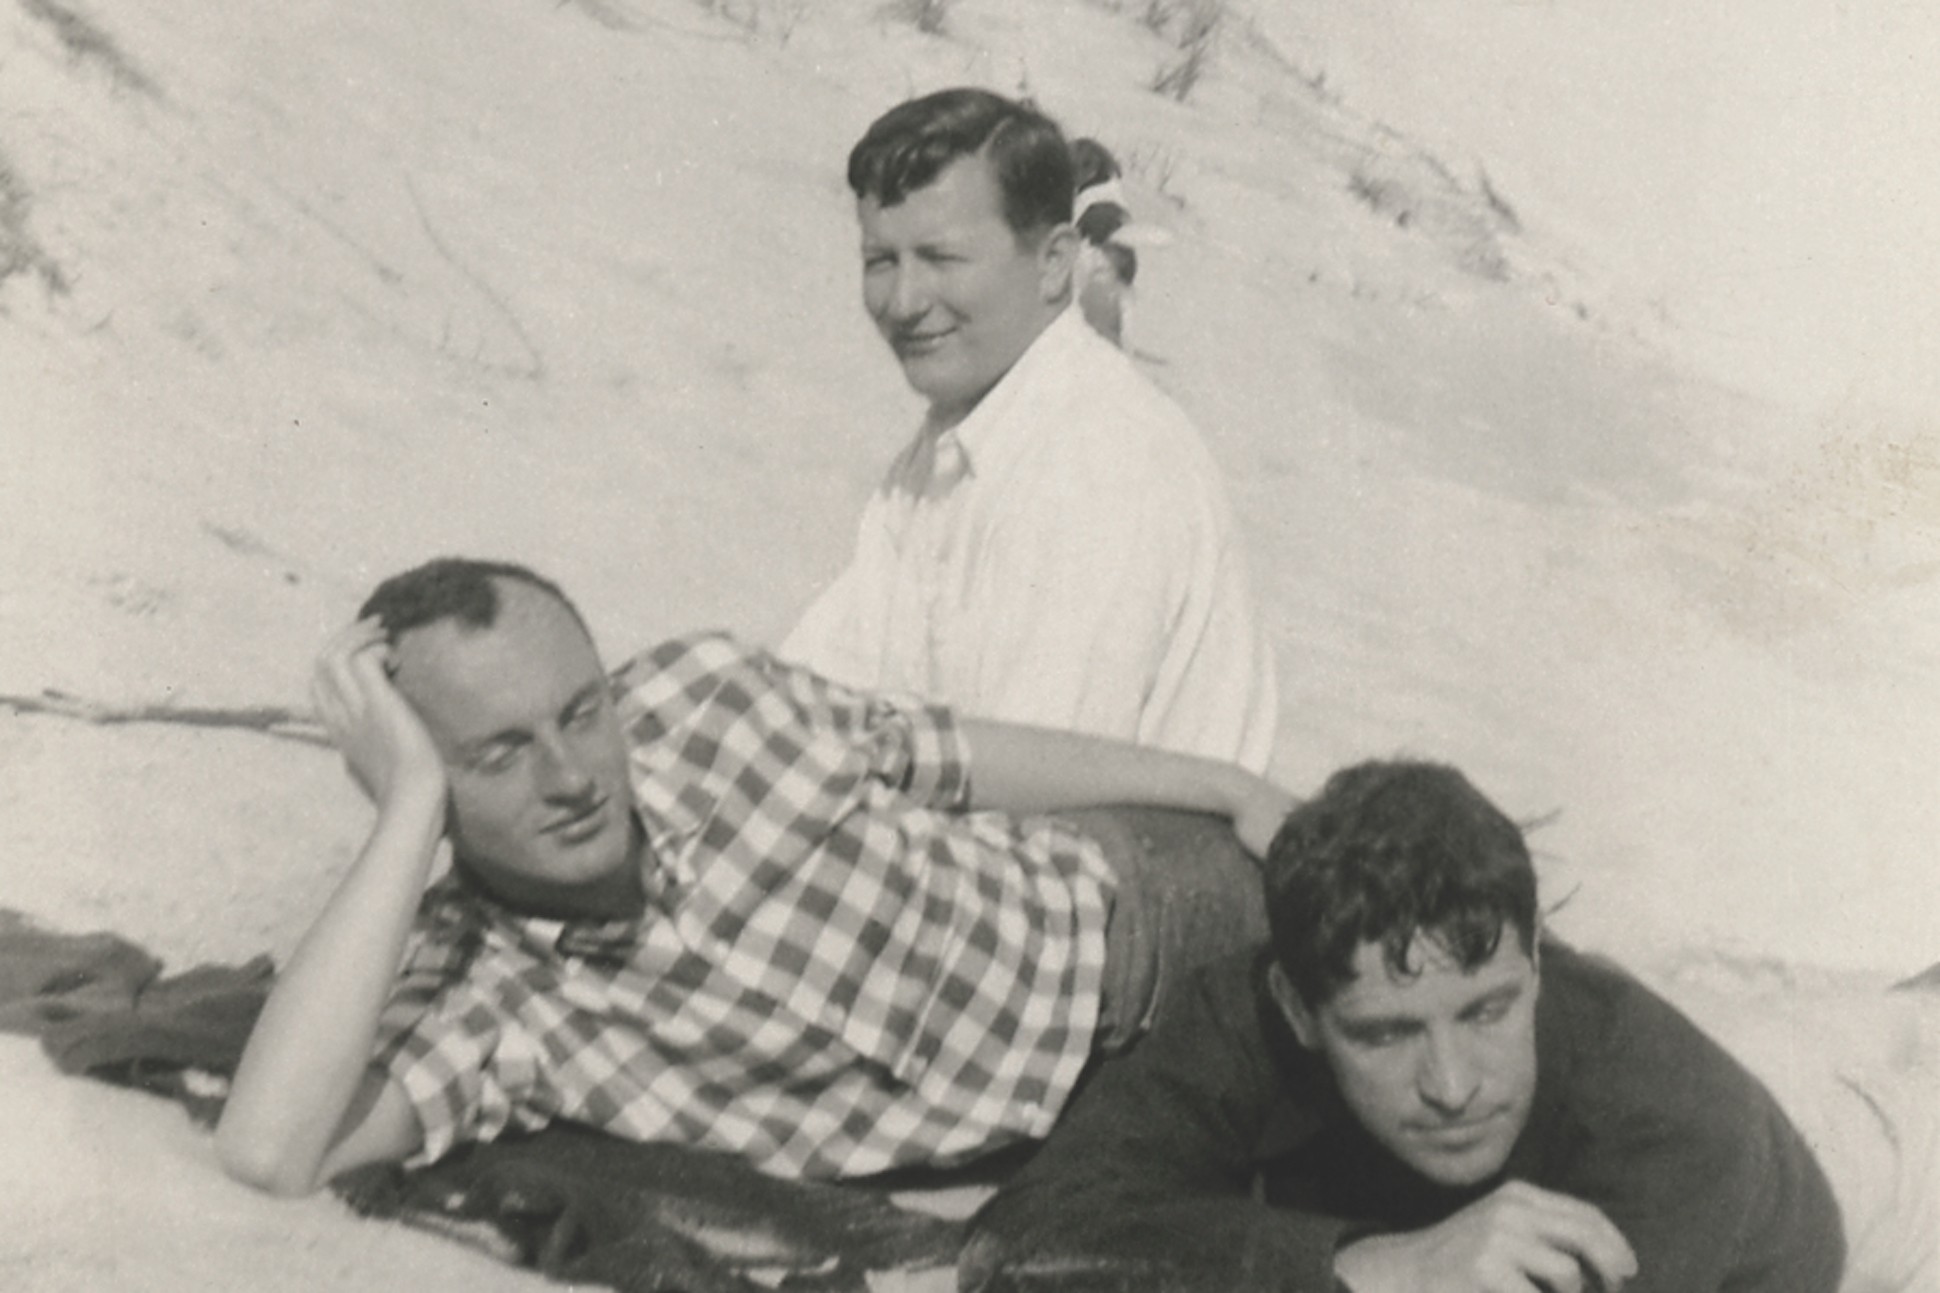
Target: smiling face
955, 291
1438, 1064
541, 809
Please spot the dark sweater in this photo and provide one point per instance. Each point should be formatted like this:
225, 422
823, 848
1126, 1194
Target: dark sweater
1219, 1155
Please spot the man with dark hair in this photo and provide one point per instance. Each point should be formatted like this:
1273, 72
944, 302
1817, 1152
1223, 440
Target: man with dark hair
453, 588
710, 899
1410, 1090
1055, 545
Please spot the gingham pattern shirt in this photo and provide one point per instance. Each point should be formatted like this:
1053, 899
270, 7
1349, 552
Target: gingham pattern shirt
838, 971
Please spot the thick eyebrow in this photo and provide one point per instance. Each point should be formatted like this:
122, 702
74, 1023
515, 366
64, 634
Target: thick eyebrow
948, 242
1363, 1025
1367, 1025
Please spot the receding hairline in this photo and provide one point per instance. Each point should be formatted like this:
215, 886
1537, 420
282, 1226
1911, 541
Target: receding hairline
464, 589
425, 645
511, 594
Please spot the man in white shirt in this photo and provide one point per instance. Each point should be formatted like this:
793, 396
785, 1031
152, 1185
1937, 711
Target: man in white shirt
1055, 546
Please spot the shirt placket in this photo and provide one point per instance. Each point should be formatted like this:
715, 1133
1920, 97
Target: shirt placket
939, 509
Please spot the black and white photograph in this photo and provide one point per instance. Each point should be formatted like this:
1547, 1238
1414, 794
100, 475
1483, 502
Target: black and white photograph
970, 646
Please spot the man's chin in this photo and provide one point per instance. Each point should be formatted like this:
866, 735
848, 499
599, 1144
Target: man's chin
597, 887
930, 378
594, 861
1458, 1170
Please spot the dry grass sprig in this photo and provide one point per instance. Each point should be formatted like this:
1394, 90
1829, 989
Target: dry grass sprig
86, 42
1191, 26
20, 251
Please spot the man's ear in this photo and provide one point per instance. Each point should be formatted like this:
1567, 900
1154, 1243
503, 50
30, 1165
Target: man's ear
1057, 260
1292, 1008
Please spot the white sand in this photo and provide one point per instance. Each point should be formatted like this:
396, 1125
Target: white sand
1645, 532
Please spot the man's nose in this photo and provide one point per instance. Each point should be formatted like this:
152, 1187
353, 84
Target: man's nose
563, 774
1449, 1076
909, 292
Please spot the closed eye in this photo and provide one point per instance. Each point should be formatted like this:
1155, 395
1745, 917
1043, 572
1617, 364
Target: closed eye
585, 707
500, 756
1375, 1036
1491, 1008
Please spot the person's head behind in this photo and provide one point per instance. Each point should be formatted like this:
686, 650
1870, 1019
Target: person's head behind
1402, 905
1092, 164
498, 663
964, 202
1108, 266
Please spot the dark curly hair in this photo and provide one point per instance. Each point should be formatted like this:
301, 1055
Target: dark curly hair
452, 588
1387, 853
910, 145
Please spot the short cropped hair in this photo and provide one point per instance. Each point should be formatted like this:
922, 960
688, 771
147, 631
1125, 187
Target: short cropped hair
452, 588
1388, 853
910, 145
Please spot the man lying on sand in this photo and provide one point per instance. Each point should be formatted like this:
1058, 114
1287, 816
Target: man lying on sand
1410, 1091
711, 899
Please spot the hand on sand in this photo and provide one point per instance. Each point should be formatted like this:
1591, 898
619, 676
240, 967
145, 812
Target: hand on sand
1516, 1239
384, 743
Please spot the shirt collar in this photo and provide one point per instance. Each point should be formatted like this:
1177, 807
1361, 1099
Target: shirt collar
593, 939
988, 434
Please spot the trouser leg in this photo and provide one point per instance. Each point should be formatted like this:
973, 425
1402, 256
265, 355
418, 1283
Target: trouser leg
1187, 894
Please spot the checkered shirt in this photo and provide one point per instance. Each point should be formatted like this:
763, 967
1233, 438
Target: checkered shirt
839, 970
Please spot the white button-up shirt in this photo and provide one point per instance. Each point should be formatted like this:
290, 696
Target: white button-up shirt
1064, 556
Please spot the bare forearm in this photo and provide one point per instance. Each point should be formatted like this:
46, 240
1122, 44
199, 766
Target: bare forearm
312, 1045
1025, 769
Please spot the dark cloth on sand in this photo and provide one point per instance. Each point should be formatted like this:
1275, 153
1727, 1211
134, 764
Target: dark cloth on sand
102, 1007
576, 1205
585, 1207
588, 1208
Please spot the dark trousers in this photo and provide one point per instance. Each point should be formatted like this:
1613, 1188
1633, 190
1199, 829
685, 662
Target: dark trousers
1187, 894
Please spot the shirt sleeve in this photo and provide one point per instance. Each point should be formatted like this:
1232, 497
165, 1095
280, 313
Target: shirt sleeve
832, 637
825, 637
467, 1075
909, 745
1147, 1178
1693, 1160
